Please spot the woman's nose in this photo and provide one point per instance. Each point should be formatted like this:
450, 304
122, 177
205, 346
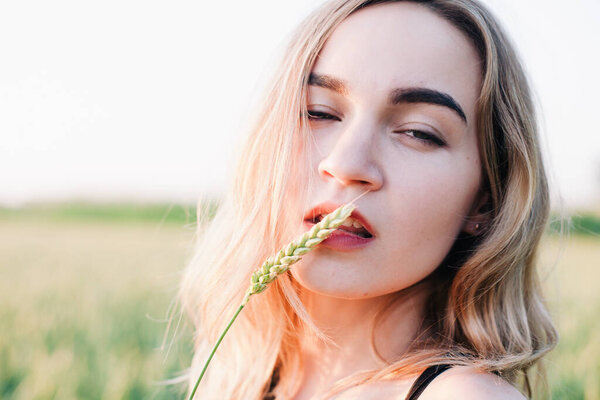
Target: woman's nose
351, 161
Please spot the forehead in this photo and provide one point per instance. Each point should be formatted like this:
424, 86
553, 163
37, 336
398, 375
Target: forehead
402, 44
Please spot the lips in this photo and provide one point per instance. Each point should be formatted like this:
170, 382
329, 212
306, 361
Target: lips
324, 208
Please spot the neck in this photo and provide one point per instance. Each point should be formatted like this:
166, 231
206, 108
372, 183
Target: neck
348, 323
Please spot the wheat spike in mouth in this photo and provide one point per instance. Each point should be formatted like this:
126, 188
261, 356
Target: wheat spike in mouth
293, 252
278, 264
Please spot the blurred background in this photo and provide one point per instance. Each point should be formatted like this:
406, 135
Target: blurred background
116, 116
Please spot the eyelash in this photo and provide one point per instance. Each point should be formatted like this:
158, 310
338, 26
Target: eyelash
429, 140
320, 115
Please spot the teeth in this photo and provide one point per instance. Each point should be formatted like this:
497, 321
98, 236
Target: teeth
351, 222
348, 222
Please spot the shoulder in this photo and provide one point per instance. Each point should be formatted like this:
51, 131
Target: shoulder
468, 383
457, 383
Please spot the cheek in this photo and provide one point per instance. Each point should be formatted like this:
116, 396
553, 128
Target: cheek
440, 189
429, 206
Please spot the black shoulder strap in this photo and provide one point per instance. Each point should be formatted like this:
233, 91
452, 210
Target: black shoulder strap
425, 379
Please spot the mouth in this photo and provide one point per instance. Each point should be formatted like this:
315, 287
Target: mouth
356, 224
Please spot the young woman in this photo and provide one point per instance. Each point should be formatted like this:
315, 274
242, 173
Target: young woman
432, 290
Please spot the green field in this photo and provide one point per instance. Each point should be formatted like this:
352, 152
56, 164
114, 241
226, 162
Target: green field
85, 294
84, 303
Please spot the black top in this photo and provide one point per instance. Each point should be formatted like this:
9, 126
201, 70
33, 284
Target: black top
425, 379
274, 380
415, 391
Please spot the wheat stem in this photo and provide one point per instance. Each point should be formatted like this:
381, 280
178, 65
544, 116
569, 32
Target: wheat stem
214, 350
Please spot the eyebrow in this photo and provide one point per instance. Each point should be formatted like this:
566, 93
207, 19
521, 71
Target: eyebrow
397, 96
328, 82
424, 95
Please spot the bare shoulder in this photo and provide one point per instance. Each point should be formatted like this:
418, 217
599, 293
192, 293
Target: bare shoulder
460, 383
467, 383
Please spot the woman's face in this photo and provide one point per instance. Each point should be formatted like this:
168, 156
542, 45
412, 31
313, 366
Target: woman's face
392, 103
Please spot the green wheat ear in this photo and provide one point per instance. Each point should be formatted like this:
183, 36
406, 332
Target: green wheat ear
278, 264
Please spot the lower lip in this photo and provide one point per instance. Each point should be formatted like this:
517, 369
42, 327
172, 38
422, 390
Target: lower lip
341, 240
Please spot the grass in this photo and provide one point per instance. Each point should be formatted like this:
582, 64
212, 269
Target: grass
581, 224
85, 291
83, 308
107, 212
571, 283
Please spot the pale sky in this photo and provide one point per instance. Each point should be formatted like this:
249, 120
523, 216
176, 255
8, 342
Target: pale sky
144, 100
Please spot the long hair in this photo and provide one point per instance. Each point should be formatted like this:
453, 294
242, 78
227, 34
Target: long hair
488, 311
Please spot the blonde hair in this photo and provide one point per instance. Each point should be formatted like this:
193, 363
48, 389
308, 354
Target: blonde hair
488, 312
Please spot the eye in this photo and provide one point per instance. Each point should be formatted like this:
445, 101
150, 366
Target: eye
423, 137
321, 115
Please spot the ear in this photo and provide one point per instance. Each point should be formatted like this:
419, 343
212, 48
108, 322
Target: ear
479, 216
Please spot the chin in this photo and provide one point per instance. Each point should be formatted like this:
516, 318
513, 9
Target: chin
326, 287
